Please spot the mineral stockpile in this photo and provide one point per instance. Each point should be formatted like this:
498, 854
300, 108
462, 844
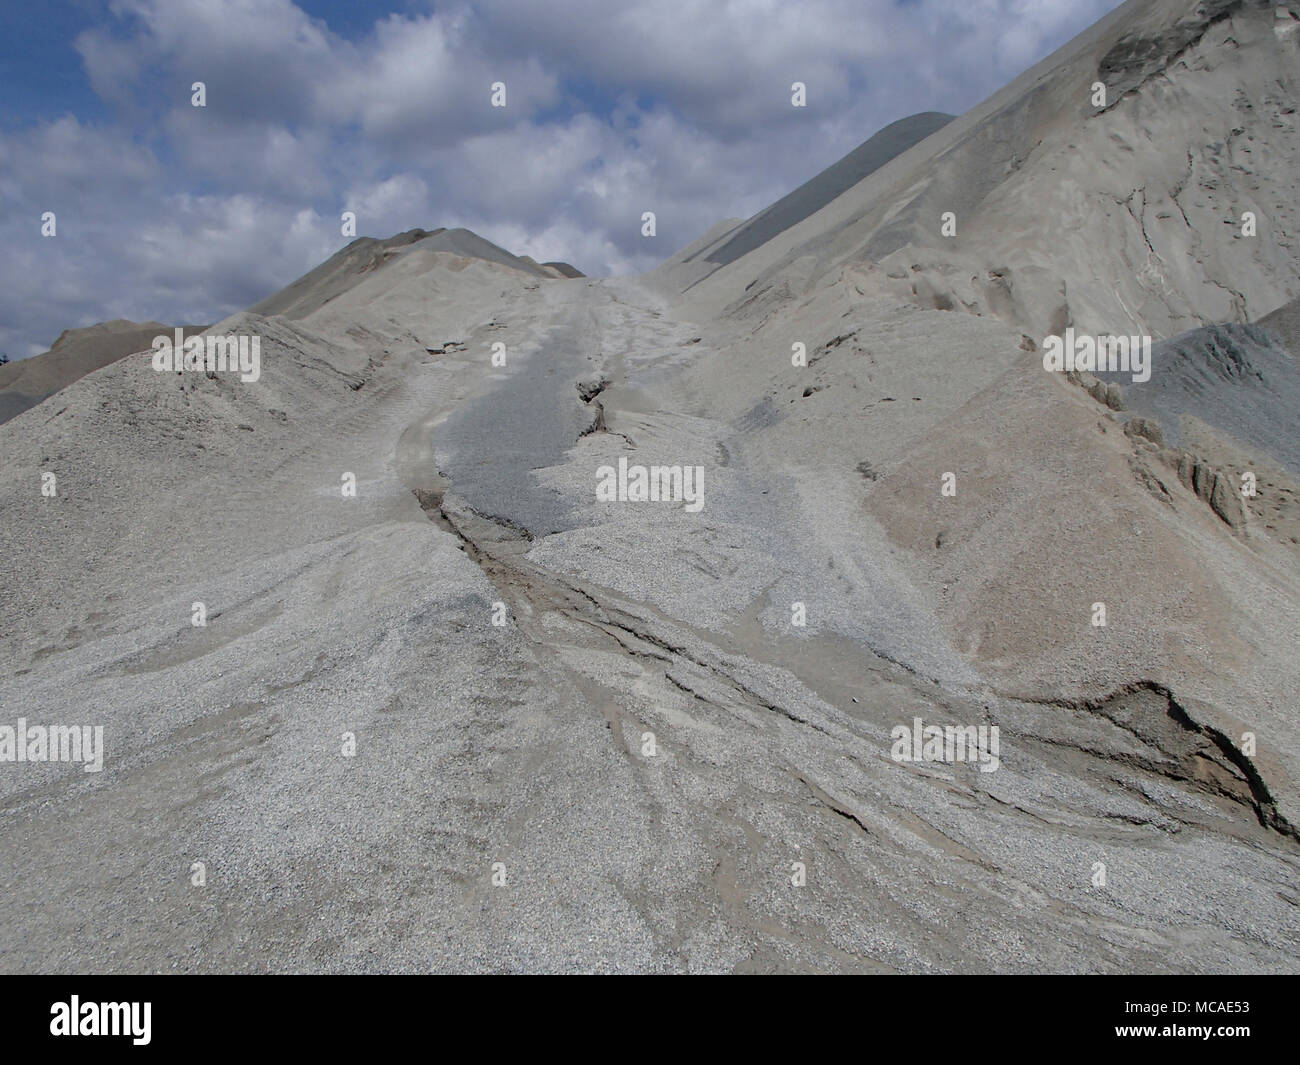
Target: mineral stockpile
785, 608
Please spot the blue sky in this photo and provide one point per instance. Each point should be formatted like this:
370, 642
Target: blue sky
177, 213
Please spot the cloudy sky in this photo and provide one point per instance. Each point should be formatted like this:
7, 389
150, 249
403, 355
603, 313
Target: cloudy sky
173, 212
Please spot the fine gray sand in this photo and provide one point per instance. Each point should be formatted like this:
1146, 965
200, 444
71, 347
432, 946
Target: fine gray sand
475, 717
77, 352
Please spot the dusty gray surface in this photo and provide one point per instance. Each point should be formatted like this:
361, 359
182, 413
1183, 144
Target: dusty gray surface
522, 747
491, 446
1236, 377
77, 352
1284, 323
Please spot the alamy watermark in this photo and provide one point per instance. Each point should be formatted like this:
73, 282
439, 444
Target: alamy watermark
74, 1017
1102, 354
947, 743
213, 354
53, 743
652, 484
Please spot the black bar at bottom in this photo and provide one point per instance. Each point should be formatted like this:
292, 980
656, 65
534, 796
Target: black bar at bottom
335, 1014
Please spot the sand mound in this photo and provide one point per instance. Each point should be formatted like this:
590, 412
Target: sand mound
370, 630
77, 352
365, 255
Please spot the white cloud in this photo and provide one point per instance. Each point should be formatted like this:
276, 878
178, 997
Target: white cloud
678, 106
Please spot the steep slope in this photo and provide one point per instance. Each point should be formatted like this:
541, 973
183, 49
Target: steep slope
1123, 217
1238, 380
1284, 323
1222, 406
820, 190
984, 511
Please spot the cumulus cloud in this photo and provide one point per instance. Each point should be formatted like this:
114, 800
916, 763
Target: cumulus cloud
680, 107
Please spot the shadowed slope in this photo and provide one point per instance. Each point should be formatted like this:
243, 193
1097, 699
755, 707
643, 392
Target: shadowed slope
836, 179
